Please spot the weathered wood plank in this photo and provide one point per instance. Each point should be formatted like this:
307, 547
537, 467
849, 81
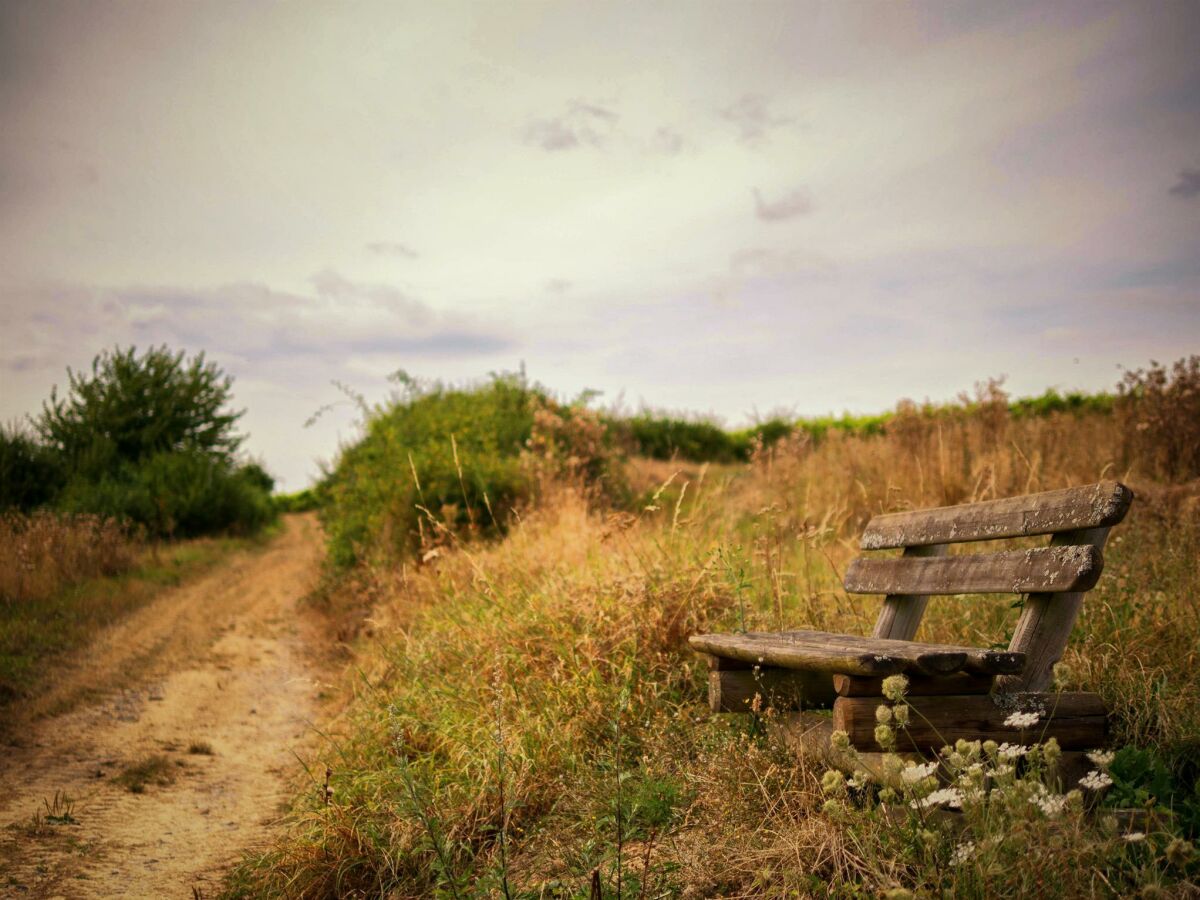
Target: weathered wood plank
901, 613
1044, 569
1045, 624
1072, 509
1077, 720
854, 655
918, 685
780, 689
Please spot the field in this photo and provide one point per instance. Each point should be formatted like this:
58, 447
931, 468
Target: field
526, 719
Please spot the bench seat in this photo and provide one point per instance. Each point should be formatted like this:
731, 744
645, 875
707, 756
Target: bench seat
844, 654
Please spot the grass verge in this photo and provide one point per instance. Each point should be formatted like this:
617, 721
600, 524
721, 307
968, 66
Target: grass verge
39, 629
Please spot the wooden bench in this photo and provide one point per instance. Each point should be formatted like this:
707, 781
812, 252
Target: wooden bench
956, 692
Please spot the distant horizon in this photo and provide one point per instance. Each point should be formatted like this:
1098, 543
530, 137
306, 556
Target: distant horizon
339, 402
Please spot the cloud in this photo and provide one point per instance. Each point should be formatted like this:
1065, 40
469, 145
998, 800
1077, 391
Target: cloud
795, 203
667, 141
752, 117
583, 124
339, 320
392, 248
1188, 185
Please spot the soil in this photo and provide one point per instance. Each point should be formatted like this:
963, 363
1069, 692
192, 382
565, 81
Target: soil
227, 663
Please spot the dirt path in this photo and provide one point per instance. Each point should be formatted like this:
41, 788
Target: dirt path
224, 661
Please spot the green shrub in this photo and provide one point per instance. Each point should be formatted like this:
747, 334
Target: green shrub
694, 439
31, 474
132, 407
440, 461
298, 501
175, 495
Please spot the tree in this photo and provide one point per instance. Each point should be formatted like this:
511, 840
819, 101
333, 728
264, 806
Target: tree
130, 408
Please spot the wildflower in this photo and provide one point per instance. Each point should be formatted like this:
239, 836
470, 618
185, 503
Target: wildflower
951, 797
1011, 751
883, 714
1095, 780
1135, 836
1062, 675
991, 748
895, 687
884, 736
962, 853
832, 808
839, 740
1051, 752
1179, 852
860, 780
833, 783
900, 715
1050, 804
1022, 720
1101, 759
914, 773
888, 795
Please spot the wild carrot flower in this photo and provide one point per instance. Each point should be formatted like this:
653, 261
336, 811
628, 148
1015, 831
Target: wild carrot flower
914, 773
883, 714
962, 853
1011, 751
839, 740
1101, 759
1095, 780
1135, 836
1022, 720
951, 797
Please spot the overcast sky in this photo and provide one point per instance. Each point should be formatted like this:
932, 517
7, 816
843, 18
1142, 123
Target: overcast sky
720, 207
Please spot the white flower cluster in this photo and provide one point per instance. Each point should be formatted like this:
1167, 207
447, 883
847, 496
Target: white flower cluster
1011, 751
1050, 804
951, 797
914, 773
1022, 720
962, 853
1134, 836
1095, 780
1101, 759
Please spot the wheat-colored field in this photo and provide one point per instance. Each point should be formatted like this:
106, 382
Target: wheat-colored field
527, 721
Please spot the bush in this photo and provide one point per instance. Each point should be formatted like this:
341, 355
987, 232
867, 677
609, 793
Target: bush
176, 495
439, 462
1159, 411
692, 439
147, 439
133, 407
31, 474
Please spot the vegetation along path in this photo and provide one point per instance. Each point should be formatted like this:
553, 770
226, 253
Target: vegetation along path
169, 779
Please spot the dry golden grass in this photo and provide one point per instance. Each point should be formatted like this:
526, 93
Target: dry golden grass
529, 722
42, 553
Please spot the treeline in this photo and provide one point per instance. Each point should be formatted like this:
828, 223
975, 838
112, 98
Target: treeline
662, 435
147, 439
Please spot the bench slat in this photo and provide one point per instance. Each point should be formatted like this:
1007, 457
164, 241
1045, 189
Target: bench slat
1091, 506
853, 655
1045, 569
1076, 720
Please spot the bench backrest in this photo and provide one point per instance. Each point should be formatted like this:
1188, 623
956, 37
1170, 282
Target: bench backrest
1054, 578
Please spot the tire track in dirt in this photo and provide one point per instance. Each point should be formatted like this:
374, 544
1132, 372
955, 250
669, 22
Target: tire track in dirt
227, 660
